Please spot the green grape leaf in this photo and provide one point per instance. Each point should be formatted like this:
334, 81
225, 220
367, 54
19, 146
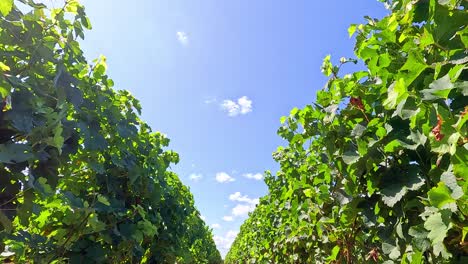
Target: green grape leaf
6, 6
400, 185
6, 222
438, 89
351, 30
350, 157
358, 130
4, 67
392, 251
334, 253
413, 67
417, 257
420, 239
15, 153
449, 179
397, 92
438, 225
441, 197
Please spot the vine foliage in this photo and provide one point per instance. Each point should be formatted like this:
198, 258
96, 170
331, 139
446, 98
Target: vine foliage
83, 178
376, 170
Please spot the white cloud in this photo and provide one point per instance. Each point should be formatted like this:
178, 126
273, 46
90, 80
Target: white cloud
243, 106
231, 107
242, 209
182, 37
195, 177
224, 177
256, 176
215, 226
202, 217
228, 218
237, 196
210, 100
223, 243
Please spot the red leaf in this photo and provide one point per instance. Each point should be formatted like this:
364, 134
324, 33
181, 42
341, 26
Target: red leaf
357, 102
436, 130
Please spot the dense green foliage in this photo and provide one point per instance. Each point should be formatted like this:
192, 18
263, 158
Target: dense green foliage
376, 169
82, 178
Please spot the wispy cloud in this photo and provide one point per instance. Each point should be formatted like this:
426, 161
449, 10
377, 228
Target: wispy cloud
223, 177
228, 218
195, 177
202, 217
256, 176
215, 226
237, 196
210, 100
241, 107
182, 37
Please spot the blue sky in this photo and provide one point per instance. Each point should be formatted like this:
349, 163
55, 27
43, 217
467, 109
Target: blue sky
216, 76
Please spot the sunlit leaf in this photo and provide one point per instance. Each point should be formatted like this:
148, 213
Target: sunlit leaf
6, 6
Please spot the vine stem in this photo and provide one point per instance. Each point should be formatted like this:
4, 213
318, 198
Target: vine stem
18, 195
362, 111
70, 234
